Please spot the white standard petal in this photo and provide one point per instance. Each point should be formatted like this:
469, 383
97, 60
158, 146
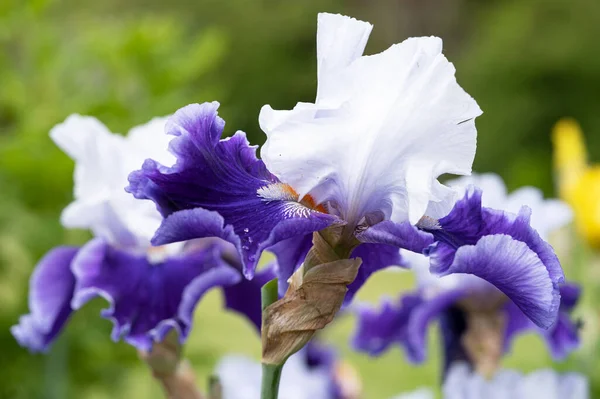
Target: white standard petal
151, 141
103, 161
383, 128
340, 40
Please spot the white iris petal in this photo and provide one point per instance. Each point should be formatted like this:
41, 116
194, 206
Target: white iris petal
103, 161
382, 128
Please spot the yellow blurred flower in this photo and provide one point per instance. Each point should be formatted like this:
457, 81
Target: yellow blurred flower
578, 181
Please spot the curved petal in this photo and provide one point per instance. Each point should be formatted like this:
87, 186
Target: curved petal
562, 338
245, 296
469, 221
470, 240
375, 257
519, 229
402, 235
387, 126
378, 329
147, 300
340, 41
519, 273
547, 214
222, 176
50, 291
494, 193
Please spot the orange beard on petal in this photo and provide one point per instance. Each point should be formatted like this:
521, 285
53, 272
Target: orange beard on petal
282, 191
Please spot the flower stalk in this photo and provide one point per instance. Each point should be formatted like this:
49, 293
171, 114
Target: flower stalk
174, 374
271, 373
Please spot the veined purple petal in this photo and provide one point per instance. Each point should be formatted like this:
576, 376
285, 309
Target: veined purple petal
562, 338
504, 250
222, 176
515, 270
50, 291
375, 257
402, 235
147, 300
245, 297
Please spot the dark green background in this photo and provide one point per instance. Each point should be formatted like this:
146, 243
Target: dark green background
527, 62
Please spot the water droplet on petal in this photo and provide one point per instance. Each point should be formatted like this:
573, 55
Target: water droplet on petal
246, 230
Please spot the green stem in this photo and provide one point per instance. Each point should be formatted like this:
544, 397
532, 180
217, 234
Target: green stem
268, 294
271, 373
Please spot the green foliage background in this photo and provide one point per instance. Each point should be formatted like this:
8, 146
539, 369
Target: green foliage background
527, 62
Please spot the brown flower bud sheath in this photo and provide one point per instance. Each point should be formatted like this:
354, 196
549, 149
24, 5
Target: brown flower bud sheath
315, 295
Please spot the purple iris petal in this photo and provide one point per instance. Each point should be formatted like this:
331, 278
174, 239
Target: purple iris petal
223, 176
290, 254
402, 235
147, 300
375, 257
504, 250
422, 317
377, 329
562, 338
405, 323
50, 292
244, 297
320, 355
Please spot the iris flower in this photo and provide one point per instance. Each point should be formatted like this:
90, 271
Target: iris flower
366, 155
150, 290
449, 298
